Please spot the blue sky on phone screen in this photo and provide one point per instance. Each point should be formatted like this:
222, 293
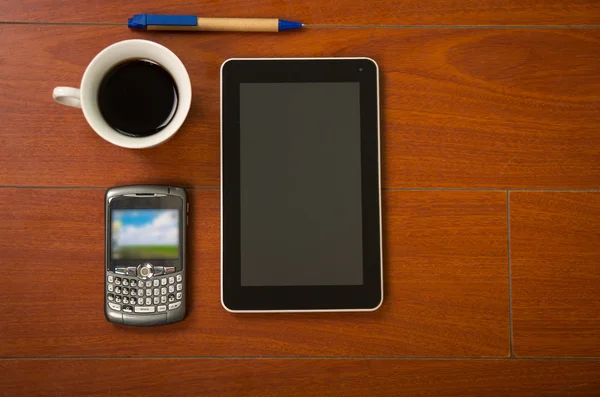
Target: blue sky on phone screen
146, 227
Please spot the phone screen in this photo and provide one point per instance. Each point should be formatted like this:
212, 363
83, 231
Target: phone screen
144, 234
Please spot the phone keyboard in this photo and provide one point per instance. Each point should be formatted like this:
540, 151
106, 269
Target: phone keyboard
132, 295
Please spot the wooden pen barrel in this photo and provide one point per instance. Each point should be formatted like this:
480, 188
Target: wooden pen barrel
227, 25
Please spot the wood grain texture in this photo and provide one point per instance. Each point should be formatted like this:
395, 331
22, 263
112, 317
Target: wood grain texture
460, 107
344, 12
445, 293
300, 377
556, 273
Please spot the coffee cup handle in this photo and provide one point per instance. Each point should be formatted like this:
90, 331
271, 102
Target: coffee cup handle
67, 96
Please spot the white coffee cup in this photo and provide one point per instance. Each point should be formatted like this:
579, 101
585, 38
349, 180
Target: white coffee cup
86, 97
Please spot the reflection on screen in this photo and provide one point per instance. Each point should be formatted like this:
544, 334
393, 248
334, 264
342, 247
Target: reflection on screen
145, 234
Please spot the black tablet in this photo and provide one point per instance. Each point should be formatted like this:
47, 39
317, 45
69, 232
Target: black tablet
300, 185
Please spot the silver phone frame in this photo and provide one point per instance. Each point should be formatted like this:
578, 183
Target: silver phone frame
378, 182
139, 319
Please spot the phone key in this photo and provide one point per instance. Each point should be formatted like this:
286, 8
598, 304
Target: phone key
133, 283
118, 298
110, 287
163, 291
148, 284
155, 283
120, 270
179, 287
169, 269
148, 301
114, 306
179, 295
149, 292
158, 270
125, 282
125, 291
131, 271
128, 309
162, 308
117, 281
171, 280
174, 305
171, 298
110, 297
125, 299
133, 292
163, 299
156, 300
144, 309
110, 279
179, 278
118, 289
163, 281
171, 288
156, 291
140, 301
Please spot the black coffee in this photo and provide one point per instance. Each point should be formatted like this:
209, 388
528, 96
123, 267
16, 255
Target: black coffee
138, 98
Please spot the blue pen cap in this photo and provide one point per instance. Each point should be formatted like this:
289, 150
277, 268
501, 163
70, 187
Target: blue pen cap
141, 21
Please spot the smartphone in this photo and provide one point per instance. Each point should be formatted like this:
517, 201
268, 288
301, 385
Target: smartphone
144, 282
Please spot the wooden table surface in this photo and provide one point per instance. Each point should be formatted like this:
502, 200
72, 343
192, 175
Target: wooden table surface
491, 201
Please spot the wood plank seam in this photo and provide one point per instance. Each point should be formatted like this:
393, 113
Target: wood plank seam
373, 358
401, 189
510, 319
334, 26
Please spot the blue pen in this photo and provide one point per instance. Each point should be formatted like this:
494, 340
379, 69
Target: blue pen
190, 22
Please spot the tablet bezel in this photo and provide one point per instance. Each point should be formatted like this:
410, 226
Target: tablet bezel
238, 298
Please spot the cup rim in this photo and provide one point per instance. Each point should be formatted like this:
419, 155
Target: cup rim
184, 94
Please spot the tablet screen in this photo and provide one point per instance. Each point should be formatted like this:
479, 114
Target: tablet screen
300, 184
